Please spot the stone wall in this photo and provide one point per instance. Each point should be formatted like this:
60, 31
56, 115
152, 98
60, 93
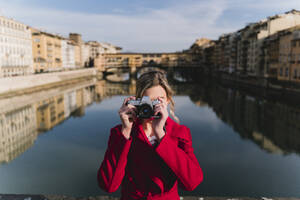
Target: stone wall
17, 83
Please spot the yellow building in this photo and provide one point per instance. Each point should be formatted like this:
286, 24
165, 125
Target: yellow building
77, 52
46, 50
285, 55
295, 56
50, 112
143, 59
78, 44
94, 48
271, 48
79, 98
118, 60
289, 54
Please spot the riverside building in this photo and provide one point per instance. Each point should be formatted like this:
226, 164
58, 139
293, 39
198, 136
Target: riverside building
46, 51
15, 48
68, 54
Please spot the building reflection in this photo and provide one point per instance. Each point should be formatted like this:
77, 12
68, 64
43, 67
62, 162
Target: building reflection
272, 124
23, 118
50, 112
53, 111
18, 131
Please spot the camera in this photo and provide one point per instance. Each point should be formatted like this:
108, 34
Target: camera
145, 107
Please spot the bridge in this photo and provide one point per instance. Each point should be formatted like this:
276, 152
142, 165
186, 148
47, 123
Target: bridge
134, 62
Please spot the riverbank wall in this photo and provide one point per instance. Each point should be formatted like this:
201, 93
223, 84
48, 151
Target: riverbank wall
36, 82
263, 86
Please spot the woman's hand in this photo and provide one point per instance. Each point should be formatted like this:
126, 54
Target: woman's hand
127, 114
158, 124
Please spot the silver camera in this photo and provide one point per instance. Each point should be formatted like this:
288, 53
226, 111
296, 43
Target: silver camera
145, 107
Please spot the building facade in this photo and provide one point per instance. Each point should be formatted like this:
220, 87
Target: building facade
259, 32
284, 56
77, 42
15, 48
134, 60
85, 55
94, 49
97, 48
109, 48
295, 56
68, 54
46, 48
271, 50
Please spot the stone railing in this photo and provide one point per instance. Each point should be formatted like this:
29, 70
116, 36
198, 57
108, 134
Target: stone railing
17, 83
62, 197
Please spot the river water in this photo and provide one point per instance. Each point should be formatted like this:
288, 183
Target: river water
53, 142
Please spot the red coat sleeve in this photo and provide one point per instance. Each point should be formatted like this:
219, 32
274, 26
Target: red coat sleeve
112, 169
181, 159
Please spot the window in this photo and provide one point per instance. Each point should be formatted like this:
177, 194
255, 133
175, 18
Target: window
295, 73
293, 56
286, 72
281, 72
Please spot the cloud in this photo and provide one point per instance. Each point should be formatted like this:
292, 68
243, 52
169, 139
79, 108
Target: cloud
155, 30
172, 28
253, 11
266, 5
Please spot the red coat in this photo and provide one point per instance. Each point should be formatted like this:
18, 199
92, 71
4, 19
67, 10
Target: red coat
146, 171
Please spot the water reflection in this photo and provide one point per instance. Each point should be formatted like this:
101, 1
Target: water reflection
272, 125
22, 118
18, 132
269, 122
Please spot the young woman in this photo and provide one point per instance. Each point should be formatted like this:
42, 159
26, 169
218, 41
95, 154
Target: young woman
150, 158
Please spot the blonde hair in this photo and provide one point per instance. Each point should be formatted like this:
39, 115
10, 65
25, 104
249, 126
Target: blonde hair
154, 78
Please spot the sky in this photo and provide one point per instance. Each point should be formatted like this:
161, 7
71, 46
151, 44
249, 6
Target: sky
144, 25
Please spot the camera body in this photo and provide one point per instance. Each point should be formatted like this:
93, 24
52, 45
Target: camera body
145, 107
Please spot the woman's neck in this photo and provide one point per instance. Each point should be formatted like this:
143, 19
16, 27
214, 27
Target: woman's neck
147, 126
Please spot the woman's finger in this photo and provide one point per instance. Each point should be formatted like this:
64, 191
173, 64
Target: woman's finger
127, 99
162, 100
130, 108
127, 110
131, 117
162, 106
124, 108
157, 110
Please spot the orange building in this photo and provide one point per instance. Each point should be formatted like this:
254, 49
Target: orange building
46, 50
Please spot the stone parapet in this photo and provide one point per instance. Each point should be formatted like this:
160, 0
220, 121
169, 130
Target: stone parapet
63, 197
17, 83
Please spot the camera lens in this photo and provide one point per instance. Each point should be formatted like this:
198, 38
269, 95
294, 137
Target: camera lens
145, 111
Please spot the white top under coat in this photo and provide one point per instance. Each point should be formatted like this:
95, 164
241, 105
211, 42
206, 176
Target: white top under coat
152, 139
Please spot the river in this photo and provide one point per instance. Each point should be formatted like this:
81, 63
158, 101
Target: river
53, 141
